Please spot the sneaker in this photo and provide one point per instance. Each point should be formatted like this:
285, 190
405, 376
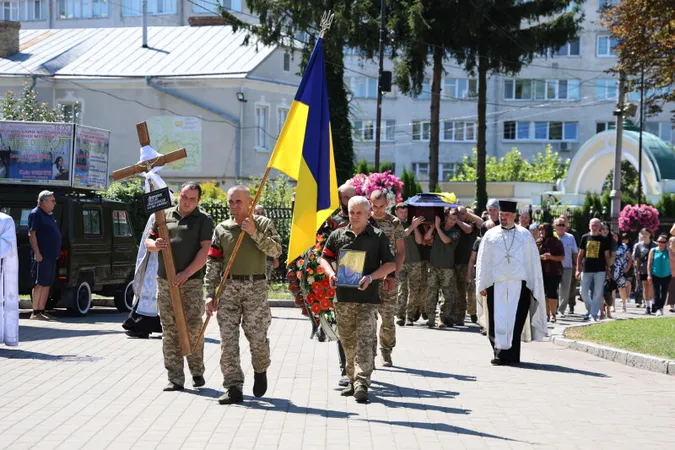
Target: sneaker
348, 391
586, 317
648, 311
38, 316
612, 309
47, 316
361, 394
659, 312
171, 387
344, 382
137, 334
386, 360
672, 310
259, 384
400, 322
233, 395
198, 381
474, 318
593, 320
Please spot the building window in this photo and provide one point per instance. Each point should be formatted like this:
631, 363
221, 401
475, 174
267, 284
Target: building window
543, 131
425, 93
605, 89
664, 130
83, 9
211, 6
22, 10
421, 171
287, 62
363, 87
261, 124
155, 7
447, 171
459, 131
364, 130
570, 49
72, 112
421, 131
460, 88
606, 46
282, 114
525, 89
604, 126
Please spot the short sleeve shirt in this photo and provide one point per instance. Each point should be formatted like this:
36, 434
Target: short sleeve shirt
412, 251
570, 247
46, 231
594, 248
463, 250
442, 254
641, 254
187, 234
378, 251
554, 247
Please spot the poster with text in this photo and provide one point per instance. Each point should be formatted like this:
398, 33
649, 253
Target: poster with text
91, 158
36, 153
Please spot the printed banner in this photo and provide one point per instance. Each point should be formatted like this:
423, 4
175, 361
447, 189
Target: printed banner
170, 133
36, 153
91, 158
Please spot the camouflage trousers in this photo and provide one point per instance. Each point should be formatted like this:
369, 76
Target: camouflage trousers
441, 280
243, 302
412, 286
387, 310
466, 293
357, 326
192, 295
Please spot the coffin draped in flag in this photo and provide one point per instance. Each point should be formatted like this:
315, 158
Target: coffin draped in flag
304, 152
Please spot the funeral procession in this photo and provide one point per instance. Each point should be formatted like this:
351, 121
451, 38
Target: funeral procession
302, 224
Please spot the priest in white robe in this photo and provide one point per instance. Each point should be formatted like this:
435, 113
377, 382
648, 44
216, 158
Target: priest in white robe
9, 282
508, 272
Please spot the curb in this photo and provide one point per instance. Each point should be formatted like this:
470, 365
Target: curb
631, 359
274, 303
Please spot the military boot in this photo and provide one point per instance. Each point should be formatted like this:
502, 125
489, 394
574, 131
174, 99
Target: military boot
233, 395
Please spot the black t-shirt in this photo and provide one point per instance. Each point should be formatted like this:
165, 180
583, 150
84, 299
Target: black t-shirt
594, 248
463, 249
476, 244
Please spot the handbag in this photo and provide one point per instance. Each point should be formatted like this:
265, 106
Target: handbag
610, 285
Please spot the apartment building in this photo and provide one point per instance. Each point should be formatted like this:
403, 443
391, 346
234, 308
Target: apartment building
562, 100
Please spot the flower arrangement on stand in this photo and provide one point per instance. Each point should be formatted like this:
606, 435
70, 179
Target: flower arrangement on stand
387, 182
634, 218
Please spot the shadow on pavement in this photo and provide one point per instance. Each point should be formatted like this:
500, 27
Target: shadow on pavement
375, 398
443, 427
560, 369
31, 333
24, 354
205, 392
283, 405
390, 390
95, 315
430, 373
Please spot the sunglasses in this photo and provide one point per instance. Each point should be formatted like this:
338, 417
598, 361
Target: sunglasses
662, 242
559, 226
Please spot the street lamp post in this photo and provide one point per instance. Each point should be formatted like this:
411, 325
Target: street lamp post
619, 112
378, 118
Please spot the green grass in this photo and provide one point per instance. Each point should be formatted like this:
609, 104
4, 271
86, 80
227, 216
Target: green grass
649, 336
278, 291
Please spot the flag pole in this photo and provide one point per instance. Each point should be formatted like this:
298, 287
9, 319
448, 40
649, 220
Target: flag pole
326, 22
234, 255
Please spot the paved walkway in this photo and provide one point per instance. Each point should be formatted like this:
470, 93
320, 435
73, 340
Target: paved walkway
80, 383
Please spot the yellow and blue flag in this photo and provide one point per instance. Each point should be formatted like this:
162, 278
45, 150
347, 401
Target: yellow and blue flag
304, 152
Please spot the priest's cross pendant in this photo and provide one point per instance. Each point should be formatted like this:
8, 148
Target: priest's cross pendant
508, 258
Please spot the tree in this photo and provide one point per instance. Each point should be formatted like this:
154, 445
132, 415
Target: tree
629, 184
367, 168
26, 107
410, 185
510, 34
544, 168
356, 25
645, 31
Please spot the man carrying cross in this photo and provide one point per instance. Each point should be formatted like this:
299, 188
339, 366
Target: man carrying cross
508, 272
190, 231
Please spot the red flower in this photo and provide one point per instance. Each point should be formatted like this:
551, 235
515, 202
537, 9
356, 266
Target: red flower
316, 287
316, 308
318, 246
310, 271
325, 304
321, 295
319, 270
325, 283
320, 238
311, 256
311, 297
298, 274
330, 292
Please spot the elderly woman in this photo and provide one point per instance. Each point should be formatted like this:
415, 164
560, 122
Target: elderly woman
552, 253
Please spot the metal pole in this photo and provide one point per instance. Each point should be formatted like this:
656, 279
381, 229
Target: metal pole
378, 119
642, 122
615, 195
145, 23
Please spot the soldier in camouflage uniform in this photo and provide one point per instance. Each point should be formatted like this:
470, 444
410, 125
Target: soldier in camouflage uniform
356, 309
393, 229
410, 299
190, 231
244, 299
441, 274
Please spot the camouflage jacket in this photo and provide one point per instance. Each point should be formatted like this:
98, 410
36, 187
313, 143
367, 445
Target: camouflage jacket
250, 260
391, 226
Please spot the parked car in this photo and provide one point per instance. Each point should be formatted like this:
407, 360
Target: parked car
98, 250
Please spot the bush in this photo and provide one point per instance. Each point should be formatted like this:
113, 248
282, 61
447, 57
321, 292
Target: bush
410, 185
666, 206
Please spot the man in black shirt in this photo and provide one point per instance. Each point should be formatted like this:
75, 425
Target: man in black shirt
356, 307
593, 265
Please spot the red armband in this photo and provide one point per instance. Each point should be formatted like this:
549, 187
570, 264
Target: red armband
215, 252
327, 253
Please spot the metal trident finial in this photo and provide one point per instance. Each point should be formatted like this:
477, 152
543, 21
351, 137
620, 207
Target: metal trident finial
326, 22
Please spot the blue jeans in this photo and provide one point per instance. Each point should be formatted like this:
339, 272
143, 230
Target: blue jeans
592, 289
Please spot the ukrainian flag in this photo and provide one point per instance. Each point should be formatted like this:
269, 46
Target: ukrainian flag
304, 152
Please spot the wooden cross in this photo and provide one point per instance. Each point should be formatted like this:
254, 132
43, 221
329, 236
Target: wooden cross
160, 220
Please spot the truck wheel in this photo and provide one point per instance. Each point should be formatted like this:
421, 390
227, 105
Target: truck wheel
81, 301
124, 297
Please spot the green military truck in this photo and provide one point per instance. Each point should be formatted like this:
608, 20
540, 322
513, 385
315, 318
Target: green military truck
98, 251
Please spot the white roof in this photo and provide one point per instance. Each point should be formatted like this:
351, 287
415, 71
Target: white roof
118, 52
